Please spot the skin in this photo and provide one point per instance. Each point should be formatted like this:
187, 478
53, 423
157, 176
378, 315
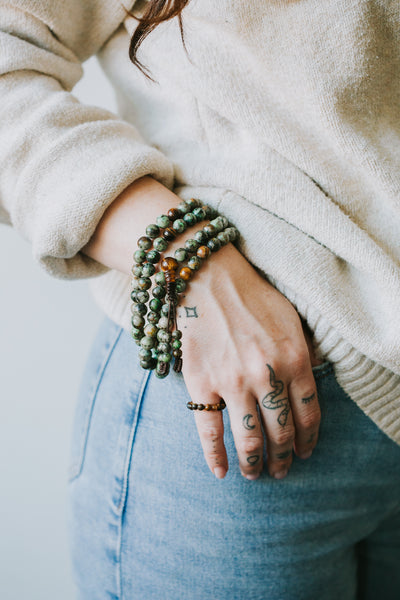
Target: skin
264, 370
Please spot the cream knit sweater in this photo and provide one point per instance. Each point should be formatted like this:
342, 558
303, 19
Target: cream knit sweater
285, 116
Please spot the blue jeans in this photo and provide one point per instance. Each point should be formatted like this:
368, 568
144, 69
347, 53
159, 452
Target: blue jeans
148, 521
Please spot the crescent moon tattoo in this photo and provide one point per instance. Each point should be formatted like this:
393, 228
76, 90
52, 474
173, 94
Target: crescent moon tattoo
246, 422
272, 400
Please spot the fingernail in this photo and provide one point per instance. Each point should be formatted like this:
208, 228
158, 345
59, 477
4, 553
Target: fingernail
253, 476
219, 472
306, 454
280, 474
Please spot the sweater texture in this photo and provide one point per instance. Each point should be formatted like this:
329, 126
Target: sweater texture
283, 115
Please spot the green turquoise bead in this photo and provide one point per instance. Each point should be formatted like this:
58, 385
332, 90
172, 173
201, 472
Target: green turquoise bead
193, 203
183, 207
163, 336
223, 237
163, 221
152, 231
147, 342
163, 323
180, 254
153, 256
144, 243
190, 219
145, 354
159, 278
194, 263
137, 333
153, 317
179, 225
199, 213
148, 270
210, 230
214, 244
140, 309
137, 321
142, 297
176, 334
159, 291
139, 256
160, 244
191, 245
151, 330
137, 270
144, 283
155, 304
165, 310
163, 347
161, 375
180, 285
176, 344
164, 357
201, 237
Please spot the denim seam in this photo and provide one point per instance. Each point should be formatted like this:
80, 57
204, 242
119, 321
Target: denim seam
76, 471
124, 490
325, 373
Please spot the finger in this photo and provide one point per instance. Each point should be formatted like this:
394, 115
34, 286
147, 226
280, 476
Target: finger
278, 424
247, 434
210, 427
306, 413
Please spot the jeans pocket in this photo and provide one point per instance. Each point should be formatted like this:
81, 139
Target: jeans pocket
99, 355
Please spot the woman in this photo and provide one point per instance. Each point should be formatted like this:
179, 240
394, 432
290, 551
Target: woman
283, 117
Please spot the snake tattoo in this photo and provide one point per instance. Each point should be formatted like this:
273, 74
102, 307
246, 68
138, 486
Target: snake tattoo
272, 400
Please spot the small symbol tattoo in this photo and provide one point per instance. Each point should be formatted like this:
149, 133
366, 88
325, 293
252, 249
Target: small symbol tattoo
246, 422
253, 460
311, 438
308, 399
191, 311
283, 455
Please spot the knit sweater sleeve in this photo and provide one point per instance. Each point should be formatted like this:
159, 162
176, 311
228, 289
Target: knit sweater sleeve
62, 162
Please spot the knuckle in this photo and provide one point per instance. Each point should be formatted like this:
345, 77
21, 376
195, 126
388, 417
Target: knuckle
249, 445
310, 420
210, 433
284, 437
299, 363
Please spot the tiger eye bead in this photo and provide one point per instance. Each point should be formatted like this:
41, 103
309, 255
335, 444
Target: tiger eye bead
208, 407
169, 264
185, 273
169, 234
148, 269
152, 231
144, 243
174, 213
203, 252
177, 352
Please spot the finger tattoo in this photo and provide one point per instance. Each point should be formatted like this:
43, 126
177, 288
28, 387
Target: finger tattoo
246, 422
311, 438
282, 455
253, 460
308, 399
273, 400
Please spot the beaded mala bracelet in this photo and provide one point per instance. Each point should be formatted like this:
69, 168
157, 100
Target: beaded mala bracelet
164, 328
220, 406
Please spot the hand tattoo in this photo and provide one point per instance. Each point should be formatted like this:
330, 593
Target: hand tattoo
272, 401
253, 460
308, 399
246, 422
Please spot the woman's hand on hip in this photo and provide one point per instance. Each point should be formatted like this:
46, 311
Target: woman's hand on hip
243, 341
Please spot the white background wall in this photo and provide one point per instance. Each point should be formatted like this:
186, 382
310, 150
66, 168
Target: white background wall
46, 328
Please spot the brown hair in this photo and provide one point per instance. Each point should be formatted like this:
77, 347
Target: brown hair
156, 12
